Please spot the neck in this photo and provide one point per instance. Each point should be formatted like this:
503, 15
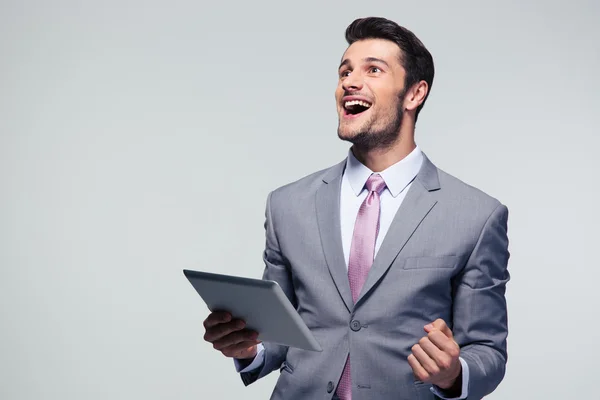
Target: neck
379, 159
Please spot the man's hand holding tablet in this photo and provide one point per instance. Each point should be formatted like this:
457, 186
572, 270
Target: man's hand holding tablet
229, 336
246, 312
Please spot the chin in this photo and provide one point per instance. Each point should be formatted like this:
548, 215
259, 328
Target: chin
349, 130
347, 135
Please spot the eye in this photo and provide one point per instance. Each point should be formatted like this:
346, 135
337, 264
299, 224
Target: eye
344, 73
374, 70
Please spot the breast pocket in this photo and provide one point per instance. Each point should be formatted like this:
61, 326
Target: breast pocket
431, 262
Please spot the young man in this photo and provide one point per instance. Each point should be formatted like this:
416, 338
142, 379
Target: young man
398, 268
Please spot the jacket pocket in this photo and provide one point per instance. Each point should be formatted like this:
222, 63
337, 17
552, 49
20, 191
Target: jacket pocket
431, 262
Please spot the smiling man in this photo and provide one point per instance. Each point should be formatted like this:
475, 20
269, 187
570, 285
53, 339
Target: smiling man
398, 268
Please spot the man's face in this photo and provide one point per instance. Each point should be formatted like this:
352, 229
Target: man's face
370, 93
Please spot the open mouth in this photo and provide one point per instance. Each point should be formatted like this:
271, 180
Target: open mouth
356, 107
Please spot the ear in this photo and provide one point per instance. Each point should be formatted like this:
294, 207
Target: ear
416, 96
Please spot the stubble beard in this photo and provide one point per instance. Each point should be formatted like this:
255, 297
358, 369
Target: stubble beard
370, 137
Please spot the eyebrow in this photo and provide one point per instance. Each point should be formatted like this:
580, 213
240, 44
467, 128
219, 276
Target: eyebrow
368, 60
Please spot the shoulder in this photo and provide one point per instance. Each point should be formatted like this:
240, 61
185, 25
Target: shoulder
467, 197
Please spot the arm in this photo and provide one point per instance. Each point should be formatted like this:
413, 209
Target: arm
471, 361
277, 269
480, 321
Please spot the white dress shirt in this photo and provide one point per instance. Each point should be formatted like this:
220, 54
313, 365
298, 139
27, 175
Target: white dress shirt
398, 179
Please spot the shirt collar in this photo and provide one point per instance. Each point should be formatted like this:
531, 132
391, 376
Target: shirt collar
396, 177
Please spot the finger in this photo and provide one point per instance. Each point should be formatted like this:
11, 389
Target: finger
418, 369
441, 325
240, 350
444, 343
426, 362
432, 350
217, 317
223, 329
444, 360
234, 339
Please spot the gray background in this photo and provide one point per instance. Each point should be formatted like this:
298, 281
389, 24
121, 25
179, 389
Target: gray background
139, 138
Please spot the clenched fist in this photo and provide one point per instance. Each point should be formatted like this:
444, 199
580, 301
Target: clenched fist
435, 358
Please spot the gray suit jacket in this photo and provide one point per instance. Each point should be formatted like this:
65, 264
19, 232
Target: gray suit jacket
444, 256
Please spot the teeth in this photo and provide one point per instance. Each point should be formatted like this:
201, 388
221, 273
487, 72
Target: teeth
356, 103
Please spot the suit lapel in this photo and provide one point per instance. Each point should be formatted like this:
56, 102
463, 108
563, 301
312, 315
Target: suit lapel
414, 208
328, 217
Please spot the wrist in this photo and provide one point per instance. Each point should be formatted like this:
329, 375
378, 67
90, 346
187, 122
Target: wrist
248, 354
453, 387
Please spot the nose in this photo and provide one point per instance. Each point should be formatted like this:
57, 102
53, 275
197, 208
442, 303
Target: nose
353, 82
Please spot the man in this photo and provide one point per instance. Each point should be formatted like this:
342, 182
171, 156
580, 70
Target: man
398, 268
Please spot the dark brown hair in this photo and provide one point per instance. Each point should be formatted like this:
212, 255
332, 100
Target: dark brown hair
414, 57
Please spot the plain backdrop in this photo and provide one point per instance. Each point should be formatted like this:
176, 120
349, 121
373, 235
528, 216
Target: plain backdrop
139, 138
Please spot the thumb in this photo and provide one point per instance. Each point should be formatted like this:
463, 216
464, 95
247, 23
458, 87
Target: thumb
440, 325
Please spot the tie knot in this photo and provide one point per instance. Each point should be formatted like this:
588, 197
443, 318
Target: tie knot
375, 183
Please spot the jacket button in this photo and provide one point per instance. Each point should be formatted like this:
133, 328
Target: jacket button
329, 387
355, 325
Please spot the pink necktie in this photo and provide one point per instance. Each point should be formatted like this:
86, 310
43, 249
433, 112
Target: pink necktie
362, 253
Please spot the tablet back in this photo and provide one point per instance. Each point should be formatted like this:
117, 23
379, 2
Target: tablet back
261, 303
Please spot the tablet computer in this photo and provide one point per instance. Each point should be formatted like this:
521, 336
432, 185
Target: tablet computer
260, 303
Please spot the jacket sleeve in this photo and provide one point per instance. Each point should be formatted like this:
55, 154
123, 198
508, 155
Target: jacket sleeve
480, 320
277, 269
